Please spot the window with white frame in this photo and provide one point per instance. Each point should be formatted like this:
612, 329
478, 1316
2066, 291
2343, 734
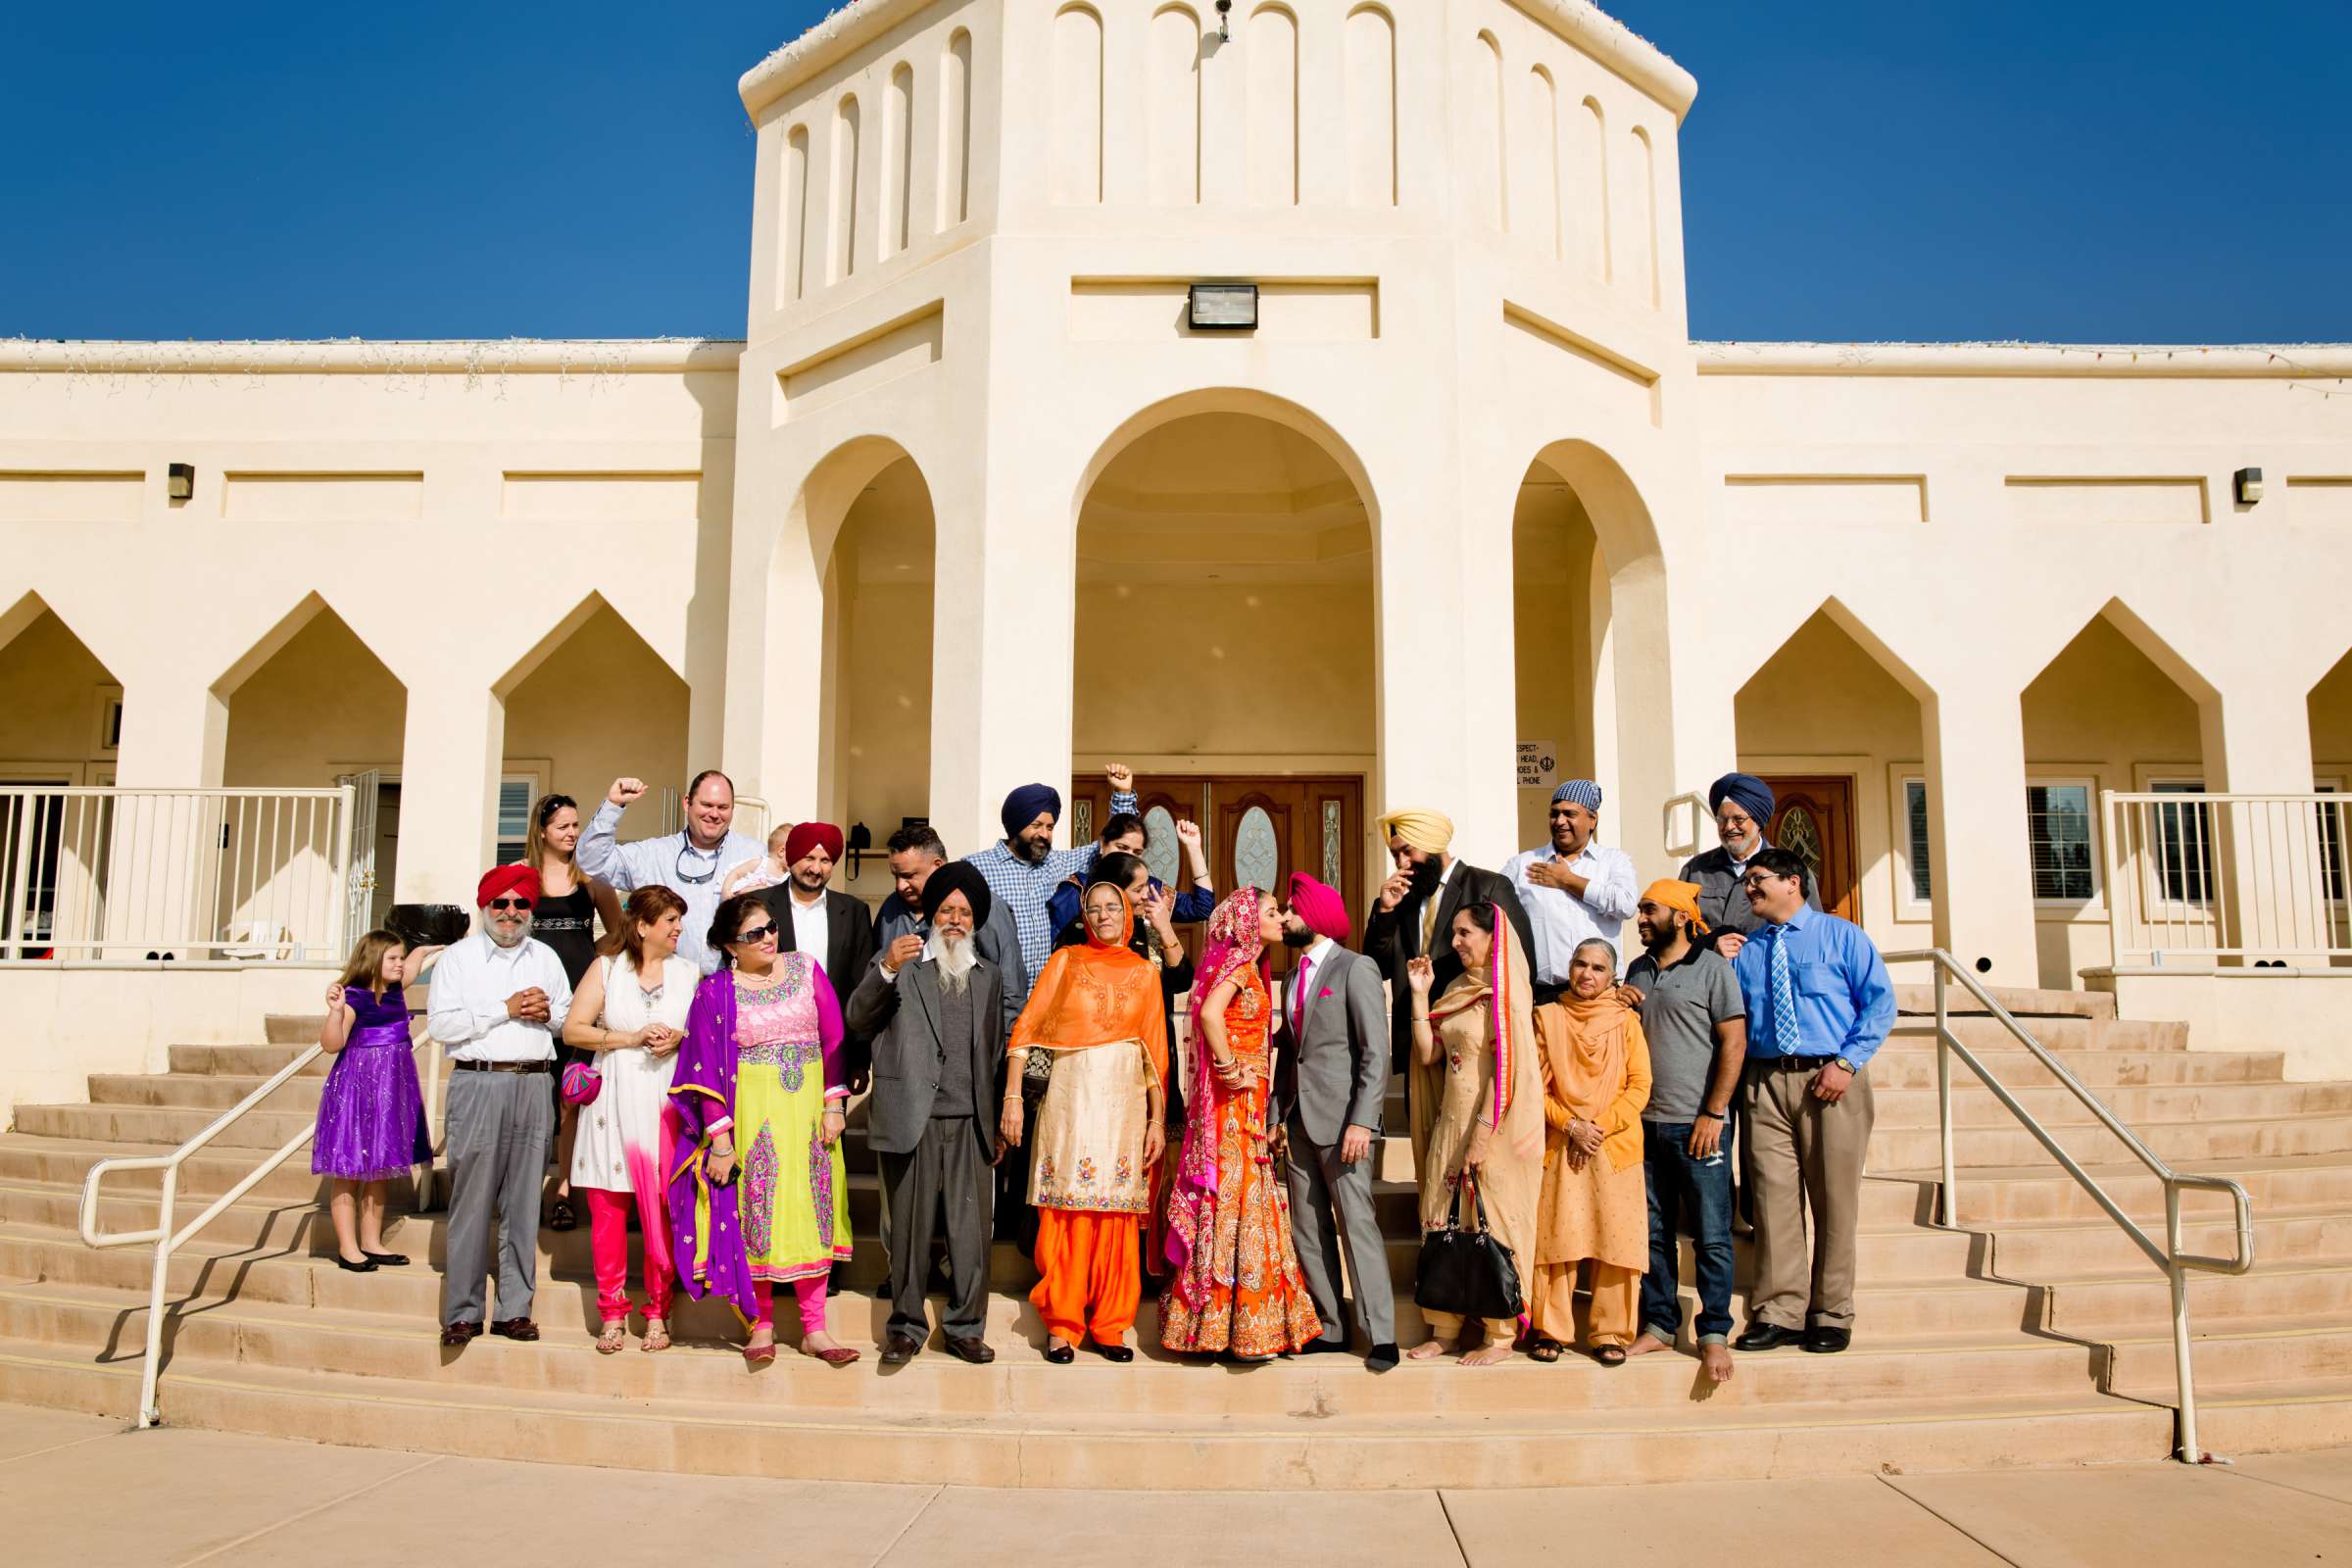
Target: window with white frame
2332, 838
515, 793
2058, 834
2185, 858
1917, 873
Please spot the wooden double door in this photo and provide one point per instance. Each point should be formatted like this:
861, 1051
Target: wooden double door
1255, 829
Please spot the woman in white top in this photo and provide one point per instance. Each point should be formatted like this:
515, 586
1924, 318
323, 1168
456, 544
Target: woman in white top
630, 1011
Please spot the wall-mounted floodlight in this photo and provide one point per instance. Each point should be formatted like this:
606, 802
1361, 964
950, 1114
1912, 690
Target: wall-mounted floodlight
180, 480
2250, 487
1224, 308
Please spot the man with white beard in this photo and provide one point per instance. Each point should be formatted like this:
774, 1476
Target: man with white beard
937, 1029
497, 1004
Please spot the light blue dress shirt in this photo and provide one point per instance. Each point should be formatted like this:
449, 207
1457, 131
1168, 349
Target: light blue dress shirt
1844, 999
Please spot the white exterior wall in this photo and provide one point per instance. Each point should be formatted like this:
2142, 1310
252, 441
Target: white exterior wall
1465, 215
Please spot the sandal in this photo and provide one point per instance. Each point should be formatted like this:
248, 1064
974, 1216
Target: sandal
656, 1336
560, 1217
1610, 1355
608, 1342
1541, 1349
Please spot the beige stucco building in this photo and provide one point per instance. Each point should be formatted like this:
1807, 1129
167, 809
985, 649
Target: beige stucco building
973, 504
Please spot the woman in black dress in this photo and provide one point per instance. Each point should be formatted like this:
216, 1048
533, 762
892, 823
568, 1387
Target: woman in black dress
565, 920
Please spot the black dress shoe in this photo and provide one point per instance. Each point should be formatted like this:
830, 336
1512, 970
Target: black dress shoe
1767, 1336
387, 1260
454, 1335
366, 1265
1060, 1354
901, 1349
1323, 1348
1823, 1340
1384, 1358
1122, 1354
515, 1328
970, 1349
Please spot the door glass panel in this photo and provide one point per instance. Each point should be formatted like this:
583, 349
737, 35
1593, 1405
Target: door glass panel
1161, 853
1256, 856
1800, 835
1331, 875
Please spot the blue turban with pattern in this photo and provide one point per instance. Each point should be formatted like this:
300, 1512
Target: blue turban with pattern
1022, 807
1752, 795
1583, 791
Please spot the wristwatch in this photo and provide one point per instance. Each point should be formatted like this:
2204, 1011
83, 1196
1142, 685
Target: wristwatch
1847, 1065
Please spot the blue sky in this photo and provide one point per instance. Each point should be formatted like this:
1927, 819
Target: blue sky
2086, 170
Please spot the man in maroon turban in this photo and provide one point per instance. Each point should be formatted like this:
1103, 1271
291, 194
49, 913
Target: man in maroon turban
497, 1005
1329, 1082
832, 927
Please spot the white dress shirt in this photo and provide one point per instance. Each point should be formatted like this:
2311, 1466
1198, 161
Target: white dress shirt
812, 926
666, 861
1562, 919
468, 1008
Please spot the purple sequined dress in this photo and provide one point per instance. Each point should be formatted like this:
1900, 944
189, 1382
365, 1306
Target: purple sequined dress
370, 1112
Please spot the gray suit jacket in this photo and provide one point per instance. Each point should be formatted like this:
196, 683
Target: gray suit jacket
1334, 1070
903, 1017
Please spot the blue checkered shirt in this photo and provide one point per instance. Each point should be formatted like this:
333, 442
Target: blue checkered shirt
1027, 890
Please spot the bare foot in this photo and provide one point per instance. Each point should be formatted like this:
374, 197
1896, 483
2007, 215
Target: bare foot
1717, 1359
1646, 1344
1487, 1355
1427, 1349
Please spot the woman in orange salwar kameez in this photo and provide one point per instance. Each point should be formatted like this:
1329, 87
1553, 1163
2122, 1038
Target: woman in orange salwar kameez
1098, 1135
1234, 1285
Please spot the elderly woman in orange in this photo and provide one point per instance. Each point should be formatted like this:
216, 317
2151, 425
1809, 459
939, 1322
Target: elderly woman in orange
1488, 1127
1100, 1133
1595, 1209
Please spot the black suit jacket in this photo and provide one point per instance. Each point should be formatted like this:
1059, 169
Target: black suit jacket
1393, 937
849, 948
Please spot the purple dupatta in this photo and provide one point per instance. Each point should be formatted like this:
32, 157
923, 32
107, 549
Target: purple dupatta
706, 1232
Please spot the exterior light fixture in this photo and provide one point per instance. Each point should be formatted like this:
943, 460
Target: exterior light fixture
180, 479
2250, 487
1224, 21
1224, 307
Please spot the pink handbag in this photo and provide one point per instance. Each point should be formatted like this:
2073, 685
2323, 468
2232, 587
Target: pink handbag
582, 1083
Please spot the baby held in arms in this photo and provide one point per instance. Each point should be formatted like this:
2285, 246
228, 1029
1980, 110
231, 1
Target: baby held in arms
764, 872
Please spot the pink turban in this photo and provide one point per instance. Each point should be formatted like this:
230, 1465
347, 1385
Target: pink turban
1320, 906
503, 879
807, 836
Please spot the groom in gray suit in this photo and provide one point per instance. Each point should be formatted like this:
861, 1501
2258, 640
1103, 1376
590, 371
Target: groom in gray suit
1331, 1074
938, 1027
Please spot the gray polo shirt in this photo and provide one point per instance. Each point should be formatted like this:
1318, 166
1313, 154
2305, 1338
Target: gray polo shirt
1679, 1009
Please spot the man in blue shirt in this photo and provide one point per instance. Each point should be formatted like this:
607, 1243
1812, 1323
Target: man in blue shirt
1819, 1005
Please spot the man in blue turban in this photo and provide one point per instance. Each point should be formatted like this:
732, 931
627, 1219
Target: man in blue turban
1023, 868
1743, 805
1574, 888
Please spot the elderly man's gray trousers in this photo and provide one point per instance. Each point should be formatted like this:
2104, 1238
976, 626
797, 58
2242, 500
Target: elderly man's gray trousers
498, 1125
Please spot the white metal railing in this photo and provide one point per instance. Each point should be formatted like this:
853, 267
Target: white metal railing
2170, 1257
168, 1239
2251, 878
188, 875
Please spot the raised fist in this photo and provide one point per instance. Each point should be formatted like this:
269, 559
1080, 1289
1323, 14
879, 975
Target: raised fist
624, 790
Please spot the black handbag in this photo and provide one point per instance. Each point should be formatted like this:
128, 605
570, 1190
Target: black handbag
1468, 1273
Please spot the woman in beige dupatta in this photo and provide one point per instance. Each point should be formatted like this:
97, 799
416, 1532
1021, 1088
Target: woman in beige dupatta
1488, 1121
1594, 1207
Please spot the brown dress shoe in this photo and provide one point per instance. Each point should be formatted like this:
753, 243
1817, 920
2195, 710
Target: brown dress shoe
972, 1350
515, 1328
454, 1335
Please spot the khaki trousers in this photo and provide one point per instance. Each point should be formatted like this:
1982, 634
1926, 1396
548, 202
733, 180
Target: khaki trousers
1804, 1154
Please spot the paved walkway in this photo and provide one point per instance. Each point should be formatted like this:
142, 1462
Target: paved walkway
81, 1491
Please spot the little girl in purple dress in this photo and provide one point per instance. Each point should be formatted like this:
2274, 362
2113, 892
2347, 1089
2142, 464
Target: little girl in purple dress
370, 1110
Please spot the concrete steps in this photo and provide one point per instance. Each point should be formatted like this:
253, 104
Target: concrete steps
2037, 1334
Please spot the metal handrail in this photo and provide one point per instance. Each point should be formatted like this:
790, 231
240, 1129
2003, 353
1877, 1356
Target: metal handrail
169, 1241
2169, 1258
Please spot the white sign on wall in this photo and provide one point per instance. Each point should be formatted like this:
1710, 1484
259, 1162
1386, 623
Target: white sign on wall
1538, 764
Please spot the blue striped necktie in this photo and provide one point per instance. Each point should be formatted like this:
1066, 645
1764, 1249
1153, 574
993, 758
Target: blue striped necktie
1786, 1035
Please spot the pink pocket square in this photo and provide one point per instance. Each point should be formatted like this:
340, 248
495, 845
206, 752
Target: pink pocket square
1326, 990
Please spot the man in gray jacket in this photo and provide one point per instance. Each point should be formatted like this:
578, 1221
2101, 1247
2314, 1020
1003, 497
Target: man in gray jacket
937, 1029
1330, 1075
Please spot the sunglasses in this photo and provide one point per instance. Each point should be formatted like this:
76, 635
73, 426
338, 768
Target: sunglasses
754, 937
508, 903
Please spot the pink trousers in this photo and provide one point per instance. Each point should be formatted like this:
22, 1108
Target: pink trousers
812, 1294
609, 1243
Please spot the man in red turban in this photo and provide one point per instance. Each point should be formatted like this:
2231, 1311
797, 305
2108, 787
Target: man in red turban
499, 1001
1329, 1082
832, 927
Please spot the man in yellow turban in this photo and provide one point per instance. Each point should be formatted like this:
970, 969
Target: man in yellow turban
1413, 917
1696, 1025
